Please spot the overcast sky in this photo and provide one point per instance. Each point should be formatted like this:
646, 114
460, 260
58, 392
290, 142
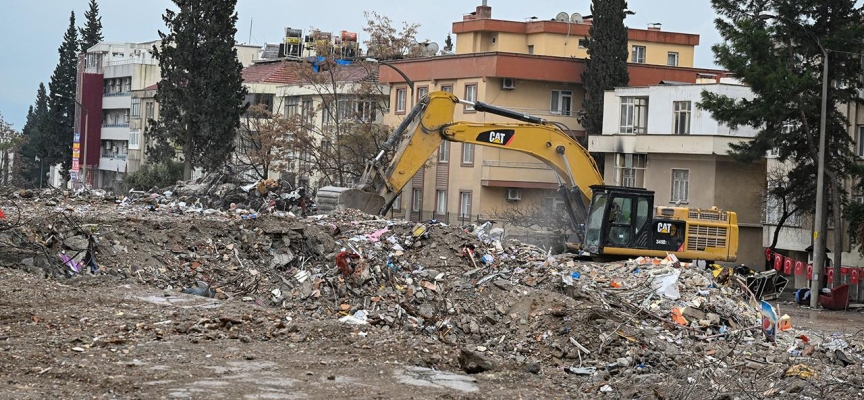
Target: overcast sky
31, 30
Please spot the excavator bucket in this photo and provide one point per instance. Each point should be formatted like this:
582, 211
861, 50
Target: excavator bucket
332, 198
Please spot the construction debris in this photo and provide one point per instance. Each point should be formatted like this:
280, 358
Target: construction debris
502, 304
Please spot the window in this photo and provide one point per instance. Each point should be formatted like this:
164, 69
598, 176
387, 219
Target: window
562, 102
307, 112
530, 49
134, 139
422, 92
494, 39
680, 185
470, 95
628, 177
638, 55
464, 204
444, 152
447, 88
634, 115
136, 108
467, 154
292, 104
860, 144
583, 43
416, 199
401, 94
397, 203
441, 202
126, 117
148, 110
263, 100
681, 123
672, 58
630, 169
127, 84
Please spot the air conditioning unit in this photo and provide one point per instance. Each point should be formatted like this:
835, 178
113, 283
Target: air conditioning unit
514, 195
508, 84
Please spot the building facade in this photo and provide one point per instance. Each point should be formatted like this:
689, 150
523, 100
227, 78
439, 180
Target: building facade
655, 137
533, 67
108, 75
318, 104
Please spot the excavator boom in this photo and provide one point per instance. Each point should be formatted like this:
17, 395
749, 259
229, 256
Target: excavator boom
431, 122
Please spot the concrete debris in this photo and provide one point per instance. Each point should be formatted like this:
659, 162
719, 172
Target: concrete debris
643, 320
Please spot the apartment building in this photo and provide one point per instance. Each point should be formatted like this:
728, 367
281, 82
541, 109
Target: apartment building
466, 183
655, 137
566, 36
348, 94
108, 74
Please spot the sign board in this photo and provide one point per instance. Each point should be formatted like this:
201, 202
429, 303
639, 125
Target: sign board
73, 175
75, 165
77, 138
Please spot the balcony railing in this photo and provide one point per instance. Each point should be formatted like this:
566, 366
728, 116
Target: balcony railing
114, 156
116, 94
117, 125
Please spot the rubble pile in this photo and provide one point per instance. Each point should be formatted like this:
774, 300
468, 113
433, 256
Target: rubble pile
504, 305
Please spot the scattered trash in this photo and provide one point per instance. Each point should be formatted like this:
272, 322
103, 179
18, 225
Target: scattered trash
801, 371
359, 318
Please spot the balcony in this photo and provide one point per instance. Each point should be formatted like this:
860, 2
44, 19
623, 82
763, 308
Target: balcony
117, 100
518, 174
115, 132
113, 162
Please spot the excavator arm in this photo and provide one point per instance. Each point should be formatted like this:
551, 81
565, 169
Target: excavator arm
431, 122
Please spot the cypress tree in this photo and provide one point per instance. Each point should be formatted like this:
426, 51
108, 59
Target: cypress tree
91, 34
37, 118
57, 143
201, 94
606, 66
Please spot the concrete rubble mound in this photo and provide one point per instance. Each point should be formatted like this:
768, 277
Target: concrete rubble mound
643, 328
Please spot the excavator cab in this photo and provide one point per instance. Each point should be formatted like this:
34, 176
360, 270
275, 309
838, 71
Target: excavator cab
619, 218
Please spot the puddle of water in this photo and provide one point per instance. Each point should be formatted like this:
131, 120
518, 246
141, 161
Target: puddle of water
176, 301
241, 366
419, 376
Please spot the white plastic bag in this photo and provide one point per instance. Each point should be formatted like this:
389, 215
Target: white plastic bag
666, 285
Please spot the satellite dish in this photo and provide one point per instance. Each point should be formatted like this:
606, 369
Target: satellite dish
431, 49
576, 18
562, 17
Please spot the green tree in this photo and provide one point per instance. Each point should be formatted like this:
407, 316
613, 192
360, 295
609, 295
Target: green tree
201, 95
91, 34
28, 169
58, 131
775, 47
606, 66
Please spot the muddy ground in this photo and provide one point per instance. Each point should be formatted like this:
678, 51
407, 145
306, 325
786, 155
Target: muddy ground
499, 321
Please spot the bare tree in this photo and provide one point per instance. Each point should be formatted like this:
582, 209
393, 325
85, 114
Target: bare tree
339, 103
266, 139
10, 142
537, 217
783, 197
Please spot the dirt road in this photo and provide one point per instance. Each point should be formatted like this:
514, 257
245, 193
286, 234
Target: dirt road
105, 339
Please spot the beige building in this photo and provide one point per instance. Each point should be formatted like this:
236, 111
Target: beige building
566, 36
289, 92
656, 138
533, 67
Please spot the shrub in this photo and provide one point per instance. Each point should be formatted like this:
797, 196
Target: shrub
154, 175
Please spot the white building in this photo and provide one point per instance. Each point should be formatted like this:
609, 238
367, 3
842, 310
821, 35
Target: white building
656, 137
108, 73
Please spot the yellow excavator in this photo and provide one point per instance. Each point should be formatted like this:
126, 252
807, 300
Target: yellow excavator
607, 221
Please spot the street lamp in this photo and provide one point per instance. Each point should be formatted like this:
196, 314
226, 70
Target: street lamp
819, 237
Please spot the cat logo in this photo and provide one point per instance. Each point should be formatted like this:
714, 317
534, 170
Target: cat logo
664, 227
500, 137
